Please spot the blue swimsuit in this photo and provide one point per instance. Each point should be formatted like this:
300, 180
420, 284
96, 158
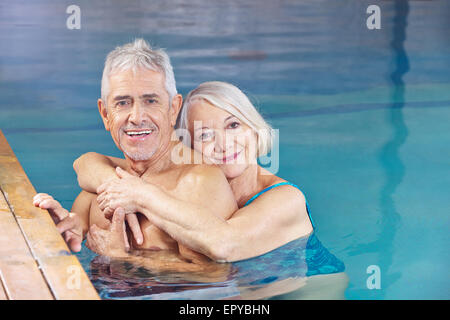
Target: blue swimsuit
277, 185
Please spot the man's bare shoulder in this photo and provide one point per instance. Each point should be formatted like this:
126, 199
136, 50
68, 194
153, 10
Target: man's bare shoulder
207, 185
199, 174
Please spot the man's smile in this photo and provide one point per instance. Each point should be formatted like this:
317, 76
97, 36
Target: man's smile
138, 135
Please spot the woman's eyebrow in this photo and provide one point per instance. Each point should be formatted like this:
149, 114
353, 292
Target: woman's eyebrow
201, 128
228, 118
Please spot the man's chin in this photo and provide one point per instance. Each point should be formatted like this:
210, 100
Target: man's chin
138, 155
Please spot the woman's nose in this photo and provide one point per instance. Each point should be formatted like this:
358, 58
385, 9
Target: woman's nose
223, 142
219, 142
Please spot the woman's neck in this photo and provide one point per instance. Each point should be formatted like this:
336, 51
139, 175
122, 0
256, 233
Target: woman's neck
246, 185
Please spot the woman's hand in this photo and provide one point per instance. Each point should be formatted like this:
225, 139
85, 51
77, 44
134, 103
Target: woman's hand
111, 242
123, 192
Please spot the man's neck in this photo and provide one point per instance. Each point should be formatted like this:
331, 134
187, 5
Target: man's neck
159, 161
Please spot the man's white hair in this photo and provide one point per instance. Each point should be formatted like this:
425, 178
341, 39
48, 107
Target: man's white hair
136, 55
231, 99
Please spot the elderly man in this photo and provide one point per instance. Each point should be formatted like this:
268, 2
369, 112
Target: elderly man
139, 106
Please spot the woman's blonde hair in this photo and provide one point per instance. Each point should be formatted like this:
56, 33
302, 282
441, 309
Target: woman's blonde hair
232, 100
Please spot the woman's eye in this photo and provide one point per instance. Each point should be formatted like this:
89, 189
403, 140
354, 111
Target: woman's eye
234, 125
205, 136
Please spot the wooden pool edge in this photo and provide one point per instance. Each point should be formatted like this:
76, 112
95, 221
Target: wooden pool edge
35, 262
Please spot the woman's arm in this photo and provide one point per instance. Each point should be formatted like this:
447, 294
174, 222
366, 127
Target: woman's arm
93, 169
202, 192
273, 219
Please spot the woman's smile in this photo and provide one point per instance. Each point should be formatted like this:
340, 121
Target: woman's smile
231, 158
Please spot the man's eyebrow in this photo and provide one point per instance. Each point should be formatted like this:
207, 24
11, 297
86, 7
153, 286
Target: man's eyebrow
150, 95
117, 98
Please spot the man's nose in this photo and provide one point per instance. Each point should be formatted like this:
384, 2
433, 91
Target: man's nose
136, 115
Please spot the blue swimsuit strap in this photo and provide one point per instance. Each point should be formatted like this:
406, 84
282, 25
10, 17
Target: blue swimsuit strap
277, 185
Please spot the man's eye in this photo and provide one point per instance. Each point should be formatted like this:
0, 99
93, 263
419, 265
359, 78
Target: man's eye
122, 103
151, 101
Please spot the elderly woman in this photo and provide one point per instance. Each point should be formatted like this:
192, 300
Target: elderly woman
220, 122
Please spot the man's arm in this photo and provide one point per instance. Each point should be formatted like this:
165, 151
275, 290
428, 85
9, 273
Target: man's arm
72, 226
82, 207
93, 169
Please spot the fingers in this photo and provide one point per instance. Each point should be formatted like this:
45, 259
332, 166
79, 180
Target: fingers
92, 238
39, 197
73, 241
102, 188
108, 212
65, 225
118, 220
89, 241
45, 201
135, 227
102, 204
122, 173
70, 223
125, 238
101, 197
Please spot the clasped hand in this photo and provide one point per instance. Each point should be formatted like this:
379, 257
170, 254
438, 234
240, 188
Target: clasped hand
122, 193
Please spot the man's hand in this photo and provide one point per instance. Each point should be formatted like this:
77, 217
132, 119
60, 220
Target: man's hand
68, 224
109, 242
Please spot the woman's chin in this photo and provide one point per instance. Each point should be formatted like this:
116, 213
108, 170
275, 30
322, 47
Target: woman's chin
232, 171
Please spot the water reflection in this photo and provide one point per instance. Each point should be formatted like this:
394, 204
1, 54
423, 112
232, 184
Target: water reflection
389, 155
301, 269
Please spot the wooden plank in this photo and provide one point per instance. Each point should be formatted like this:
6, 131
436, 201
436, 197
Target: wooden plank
62, 270
20, 274
2, 289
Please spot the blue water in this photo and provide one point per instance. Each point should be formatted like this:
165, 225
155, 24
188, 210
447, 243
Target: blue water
247, 279
362, 114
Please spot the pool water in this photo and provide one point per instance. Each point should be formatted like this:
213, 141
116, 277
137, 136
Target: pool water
362, 118
292, 271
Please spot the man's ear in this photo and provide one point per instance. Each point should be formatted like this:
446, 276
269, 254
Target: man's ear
103, 113
177, 102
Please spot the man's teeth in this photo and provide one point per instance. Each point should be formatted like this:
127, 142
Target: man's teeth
139, 133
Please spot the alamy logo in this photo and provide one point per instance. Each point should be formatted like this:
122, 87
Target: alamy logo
374, 280
374, 20
74, 20
74, 279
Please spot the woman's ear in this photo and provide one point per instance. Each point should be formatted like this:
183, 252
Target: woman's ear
103, 113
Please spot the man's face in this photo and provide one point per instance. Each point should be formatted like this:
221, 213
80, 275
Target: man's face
138, 113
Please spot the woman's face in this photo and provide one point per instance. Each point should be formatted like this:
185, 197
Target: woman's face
222, 138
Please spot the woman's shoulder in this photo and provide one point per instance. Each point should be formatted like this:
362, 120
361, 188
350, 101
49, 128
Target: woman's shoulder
266, 179
275, 185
